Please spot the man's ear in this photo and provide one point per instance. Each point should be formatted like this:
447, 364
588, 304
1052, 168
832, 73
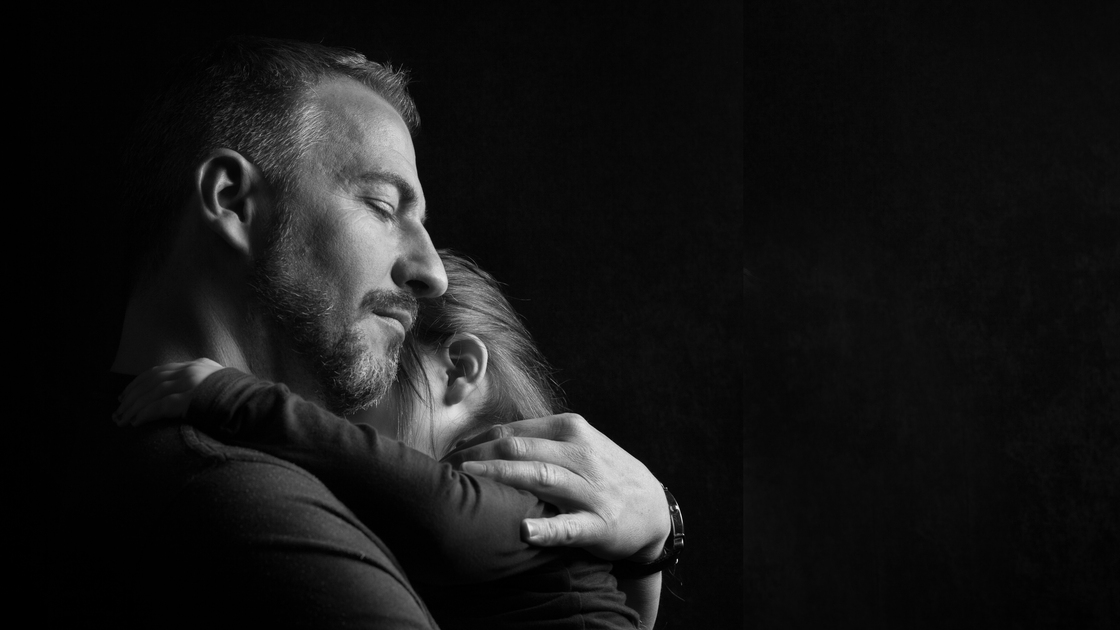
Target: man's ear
465, 357
231, 196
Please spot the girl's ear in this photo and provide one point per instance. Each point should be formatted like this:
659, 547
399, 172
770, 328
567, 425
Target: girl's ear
465, 356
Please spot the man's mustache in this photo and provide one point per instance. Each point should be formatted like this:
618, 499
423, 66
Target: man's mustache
381, 301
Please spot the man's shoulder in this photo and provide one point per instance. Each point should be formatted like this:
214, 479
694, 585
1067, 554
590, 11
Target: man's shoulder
186, 476
254, 535
160, 463
174, 454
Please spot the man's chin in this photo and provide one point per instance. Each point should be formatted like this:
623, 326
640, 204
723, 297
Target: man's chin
349, 396
354, 377
352, 367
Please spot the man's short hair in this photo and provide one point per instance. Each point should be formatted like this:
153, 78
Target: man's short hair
246, 94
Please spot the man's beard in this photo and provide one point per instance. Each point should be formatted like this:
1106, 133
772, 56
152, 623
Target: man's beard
349, 376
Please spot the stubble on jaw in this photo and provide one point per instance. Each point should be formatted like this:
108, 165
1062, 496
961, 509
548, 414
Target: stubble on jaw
300, 319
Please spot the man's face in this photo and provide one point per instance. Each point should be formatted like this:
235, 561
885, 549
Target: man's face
340, 282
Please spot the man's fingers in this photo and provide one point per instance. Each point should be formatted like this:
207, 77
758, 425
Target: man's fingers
521, 449
557, 427
500, 431
551, 483
563, 530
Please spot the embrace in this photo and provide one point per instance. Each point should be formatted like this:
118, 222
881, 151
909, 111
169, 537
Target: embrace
344, 426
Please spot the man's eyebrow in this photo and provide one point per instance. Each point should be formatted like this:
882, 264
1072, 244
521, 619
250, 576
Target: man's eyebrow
404, 188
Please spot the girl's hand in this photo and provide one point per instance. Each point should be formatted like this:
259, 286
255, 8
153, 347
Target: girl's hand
163, 392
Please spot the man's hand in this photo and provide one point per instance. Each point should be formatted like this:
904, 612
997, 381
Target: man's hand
611, 504
162, 392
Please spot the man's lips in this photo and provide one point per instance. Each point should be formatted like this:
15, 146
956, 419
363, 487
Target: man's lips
399, 306
403, 317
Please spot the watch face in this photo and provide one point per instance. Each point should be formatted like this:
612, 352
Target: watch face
675, 543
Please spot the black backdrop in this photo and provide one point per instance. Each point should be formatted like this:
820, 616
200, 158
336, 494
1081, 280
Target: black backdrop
590, 158
933, 248
931, 257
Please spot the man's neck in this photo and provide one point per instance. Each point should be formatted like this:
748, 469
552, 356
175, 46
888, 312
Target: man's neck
180, 321
177, 320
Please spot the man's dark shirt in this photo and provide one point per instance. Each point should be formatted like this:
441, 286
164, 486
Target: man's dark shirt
170, 528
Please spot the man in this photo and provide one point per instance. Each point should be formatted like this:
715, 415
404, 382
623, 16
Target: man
282, 219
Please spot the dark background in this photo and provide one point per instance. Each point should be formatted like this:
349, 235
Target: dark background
933, 256
924, 403
590, 158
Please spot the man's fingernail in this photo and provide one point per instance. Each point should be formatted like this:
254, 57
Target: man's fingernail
531, 530
473, 468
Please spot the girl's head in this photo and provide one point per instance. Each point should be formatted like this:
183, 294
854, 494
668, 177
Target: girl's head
468, 363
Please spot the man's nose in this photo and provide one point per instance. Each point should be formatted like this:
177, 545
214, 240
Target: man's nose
419, 269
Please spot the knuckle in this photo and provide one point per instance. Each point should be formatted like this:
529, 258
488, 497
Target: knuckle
499, 468
546, 475
510, 471
571, 529
513, 448
573, 422
547, 530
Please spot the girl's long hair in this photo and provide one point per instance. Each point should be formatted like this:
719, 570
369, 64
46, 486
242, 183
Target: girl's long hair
520, 383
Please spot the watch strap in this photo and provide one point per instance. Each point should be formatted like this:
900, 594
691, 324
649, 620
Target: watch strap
671, 552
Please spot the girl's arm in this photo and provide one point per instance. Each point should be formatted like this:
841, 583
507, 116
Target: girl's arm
643, 594
443, 525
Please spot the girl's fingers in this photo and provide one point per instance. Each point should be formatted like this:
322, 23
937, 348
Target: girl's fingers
171, 406
141, 398
162, 391
144, 380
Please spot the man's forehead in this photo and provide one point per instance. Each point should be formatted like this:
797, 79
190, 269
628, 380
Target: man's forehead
363, 136
354, 112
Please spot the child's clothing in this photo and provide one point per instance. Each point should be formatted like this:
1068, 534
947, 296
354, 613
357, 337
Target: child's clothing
444, 526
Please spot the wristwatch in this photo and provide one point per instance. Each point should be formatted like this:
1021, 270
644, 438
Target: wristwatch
669, 555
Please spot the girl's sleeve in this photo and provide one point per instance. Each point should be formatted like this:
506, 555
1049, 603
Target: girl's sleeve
444, 526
